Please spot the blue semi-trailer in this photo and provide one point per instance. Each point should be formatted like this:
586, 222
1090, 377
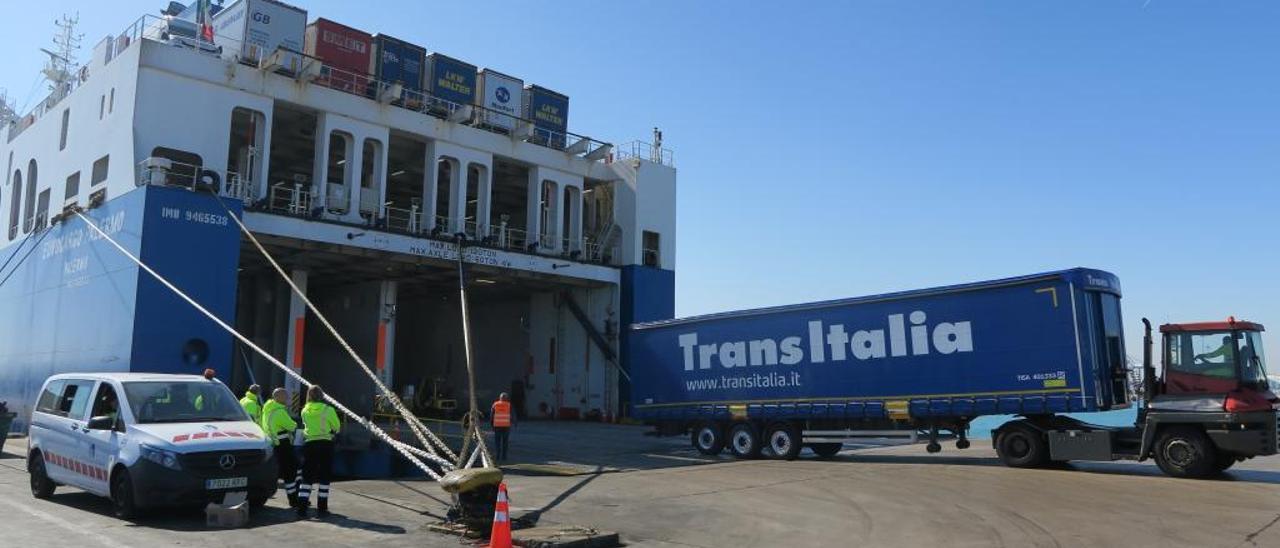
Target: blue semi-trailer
925, 363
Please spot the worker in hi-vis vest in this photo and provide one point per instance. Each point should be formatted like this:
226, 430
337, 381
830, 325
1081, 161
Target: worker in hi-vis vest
251, 404
319, 424
501, 420
279, 427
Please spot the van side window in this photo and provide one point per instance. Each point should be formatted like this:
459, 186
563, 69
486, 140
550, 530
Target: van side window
48, 402
106, 404
75, 399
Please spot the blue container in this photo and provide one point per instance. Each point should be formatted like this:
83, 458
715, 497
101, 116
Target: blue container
451, 79
1034, 344
549, 112
398, 62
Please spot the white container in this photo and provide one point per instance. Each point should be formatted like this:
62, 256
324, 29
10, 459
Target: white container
252, 30
501, 96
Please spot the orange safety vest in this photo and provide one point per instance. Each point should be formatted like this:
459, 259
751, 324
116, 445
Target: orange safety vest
502, 414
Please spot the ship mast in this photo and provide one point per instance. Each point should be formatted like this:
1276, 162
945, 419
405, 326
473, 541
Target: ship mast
60, 69
7, 113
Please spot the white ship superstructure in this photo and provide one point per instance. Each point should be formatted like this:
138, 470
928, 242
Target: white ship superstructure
361, 188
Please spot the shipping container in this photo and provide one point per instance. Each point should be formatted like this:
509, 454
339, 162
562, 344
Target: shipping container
252, 30
1030, 345
395, 61
451, 80
346, 53
498, 97
549, 111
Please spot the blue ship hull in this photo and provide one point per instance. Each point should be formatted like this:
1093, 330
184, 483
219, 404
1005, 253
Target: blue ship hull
76, 304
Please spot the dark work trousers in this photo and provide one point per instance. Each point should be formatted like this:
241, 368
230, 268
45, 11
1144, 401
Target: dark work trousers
317, 470
500, 436
287, 465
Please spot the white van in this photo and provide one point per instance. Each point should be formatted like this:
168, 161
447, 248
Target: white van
147, 440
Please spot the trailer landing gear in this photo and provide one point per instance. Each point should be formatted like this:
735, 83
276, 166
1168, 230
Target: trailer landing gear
934, 446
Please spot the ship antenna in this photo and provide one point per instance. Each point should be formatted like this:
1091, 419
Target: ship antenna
60, 69
7, 113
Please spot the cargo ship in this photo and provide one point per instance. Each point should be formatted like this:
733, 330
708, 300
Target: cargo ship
366, 164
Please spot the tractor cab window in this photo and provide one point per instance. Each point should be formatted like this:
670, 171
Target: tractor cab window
1253, 362
1202, 362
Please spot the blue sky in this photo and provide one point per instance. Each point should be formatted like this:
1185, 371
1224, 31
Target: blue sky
839, 149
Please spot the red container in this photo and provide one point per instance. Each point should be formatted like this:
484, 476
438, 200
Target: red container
346, 53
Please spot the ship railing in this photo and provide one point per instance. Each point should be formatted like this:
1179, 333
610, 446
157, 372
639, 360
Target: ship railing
546, 243
649, 257
595, 252
571, 248
404, 220
646, 151
291, 199
363, 84
239, 188
160, 171
505, 237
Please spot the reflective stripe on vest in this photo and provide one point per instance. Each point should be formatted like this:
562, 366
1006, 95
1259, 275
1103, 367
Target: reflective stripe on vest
502, 414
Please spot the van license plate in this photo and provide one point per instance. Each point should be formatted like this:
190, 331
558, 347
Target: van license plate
226, 483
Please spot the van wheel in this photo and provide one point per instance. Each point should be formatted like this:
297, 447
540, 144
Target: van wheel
708, 438
744, 441
122, 501
826, 450
1020, 446
1185, 452
784, 441
41, 486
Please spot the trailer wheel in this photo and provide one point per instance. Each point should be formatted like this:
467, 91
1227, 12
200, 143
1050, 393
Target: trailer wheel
708, 438
784, 441
1185, 452
1020, 446
744, 441
826, 450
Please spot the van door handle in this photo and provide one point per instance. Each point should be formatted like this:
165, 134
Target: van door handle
73, 426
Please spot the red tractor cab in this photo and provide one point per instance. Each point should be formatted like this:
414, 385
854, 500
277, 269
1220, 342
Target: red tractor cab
1220, 359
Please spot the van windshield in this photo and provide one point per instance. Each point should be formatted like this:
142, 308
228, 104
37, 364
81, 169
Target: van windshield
182, 401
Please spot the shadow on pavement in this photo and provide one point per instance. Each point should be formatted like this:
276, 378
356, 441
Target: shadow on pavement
352, 523
532, 517
192, 519
1084, 467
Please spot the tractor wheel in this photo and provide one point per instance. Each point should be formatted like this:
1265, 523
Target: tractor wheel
1021, 446
1186, 452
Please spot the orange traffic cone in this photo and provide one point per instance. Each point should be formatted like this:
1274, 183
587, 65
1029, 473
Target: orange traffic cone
500, 536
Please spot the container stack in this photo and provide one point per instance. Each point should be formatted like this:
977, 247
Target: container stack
549, 111
398, 62
251, 31
450, 80
498, 96
393, 70
346, 53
